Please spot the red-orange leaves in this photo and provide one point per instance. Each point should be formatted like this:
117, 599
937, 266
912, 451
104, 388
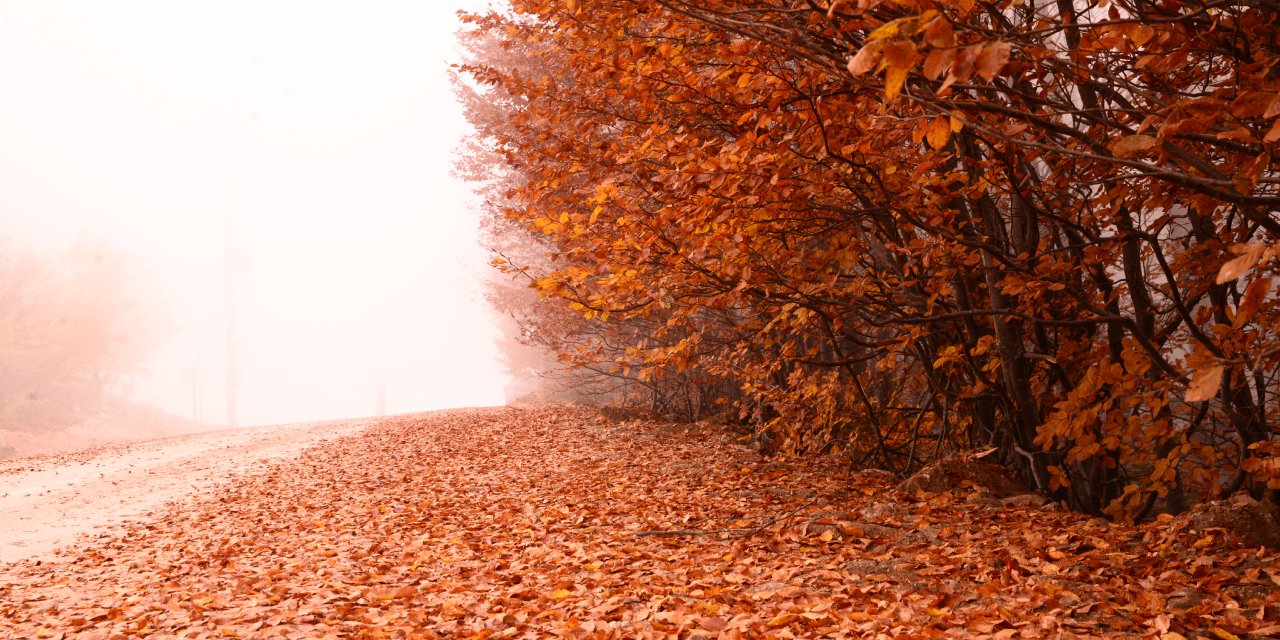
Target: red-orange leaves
887, 49
1248, 256
1141, 34
1132, 146
1254, 296
867, 58
1264, 464
938, 132
959, 68
991, 58
1274, 133
898, 59
937, 63
1250, 172
939, 34
1205, 383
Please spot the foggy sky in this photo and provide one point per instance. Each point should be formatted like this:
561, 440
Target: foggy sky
322, 130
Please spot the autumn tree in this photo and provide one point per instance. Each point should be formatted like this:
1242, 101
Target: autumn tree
591, 355
905, 228
73, 328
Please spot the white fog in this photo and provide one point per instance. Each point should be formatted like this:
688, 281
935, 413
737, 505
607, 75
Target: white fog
316, 137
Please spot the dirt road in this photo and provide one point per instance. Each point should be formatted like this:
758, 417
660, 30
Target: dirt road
46, 502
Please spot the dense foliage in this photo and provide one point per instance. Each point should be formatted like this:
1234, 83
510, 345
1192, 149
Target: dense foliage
906, 227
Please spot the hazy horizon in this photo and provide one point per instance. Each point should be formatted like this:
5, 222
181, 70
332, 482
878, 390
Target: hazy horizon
322, 131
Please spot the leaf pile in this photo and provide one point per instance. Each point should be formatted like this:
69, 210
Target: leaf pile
554, 522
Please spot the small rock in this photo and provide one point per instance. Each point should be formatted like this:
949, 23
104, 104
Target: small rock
867, 567
1257, 523
1184, 599
1024, 500
870, 476
963, 472
881, 511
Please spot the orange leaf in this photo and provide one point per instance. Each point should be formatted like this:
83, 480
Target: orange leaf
866, 59
894, 79
887, 30
1205, 383
1251, 104
1249, 256
782, 620
1274, 133
939, 34
992, 58
1141, 34
1132, 146
900, 53
560, 594
937, 62
899, 58
1273, 109
1247, 177
961, 67
1253, 297
938, 133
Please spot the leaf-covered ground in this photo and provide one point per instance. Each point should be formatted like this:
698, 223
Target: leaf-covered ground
555, 522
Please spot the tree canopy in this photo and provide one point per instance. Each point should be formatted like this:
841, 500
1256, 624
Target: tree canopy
902, 228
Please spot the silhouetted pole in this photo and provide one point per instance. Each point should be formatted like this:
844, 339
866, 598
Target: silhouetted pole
195, 397
231, 316
196, 409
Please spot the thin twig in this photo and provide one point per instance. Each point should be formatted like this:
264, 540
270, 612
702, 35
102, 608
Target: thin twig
780, 518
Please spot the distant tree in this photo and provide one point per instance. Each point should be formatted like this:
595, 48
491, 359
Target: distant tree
74, 328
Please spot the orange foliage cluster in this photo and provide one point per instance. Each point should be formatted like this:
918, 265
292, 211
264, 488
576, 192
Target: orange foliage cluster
903, 228
553, 523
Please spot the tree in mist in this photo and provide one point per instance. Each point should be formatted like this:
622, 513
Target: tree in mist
906, 228
74, 326
552, 349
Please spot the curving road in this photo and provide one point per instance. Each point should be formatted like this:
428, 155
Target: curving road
46, 502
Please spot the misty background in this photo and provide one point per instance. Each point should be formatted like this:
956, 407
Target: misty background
312, 138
